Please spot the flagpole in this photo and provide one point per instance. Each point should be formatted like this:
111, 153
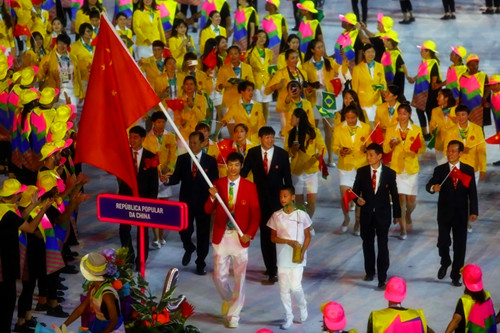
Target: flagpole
220, 153
447, 176
477, 144
372, 131
201, 170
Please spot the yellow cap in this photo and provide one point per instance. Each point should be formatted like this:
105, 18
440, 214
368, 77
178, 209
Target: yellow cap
46, 181
307, 5
349, 18
391, 35
28, 75
472, 57
26, 196
386, 21
494, 79
460, 51
428, 45
274, 2
11, 186
29, 95
47, 95
65, 112
48, 149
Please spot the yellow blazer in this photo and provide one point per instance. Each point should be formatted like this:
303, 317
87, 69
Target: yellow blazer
281, 63
7, 39
204, 81
288, 111
312, 75
362, 83
383, 117
30, 58
145, 28
178, 52
306, 162
149, 67
223, 168
84, 58
402, 157
230, 93
254, 121
41, 23
208, 33
81, 17
187, 119
476, 155
52, 78
282, 74
167, 150
443, 124
260, 66
23, 13
342, 138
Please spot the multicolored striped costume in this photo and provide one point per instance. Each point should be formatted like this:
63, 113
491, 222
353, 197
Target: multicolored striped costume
471, 94
423, 83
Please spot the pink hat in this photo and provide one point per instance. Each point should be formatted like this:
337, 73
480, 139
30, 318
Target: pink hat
333, 316
494, 79
395, 291
264, 330
473, 277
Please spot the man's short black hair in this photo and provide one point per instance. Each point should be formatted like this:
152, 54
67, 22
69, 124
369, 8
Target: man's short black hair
462, 108
376, 147
266, 130
84, 27
289, 188
120, 14
201, 125
64, 38
234, 156
460, 144
158, 43
94, 14
138, 130
242, 86
158, 115
198, 134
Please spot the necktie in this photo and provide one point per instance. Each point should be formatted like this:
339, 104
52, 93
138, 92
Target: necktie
194, 171
371, 64
318, 65
237, 71
159, 64
135, 162
230, 203
391, 111
455, 183
299, 104
374, 180
262, 53
248, 107
403, 133
266, 167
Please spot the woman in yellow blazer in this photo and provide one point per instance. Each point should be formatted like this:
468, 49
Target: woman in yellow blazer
34, 55
180, 42
349, 143
212, 29
442, 119
293, 43
59, 69
41, 22
306, 147
280, 81
83, 51
293, 101
368, 80
82, 15
322, 69
386, 114
401, 140
195, 108
147, 28
246, 111
235, 71
260, 58
241, 145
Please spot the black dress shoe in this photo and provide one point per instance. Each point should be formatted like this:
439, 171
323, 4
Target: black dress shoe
201, 271
442, 271
60, 293
61, 299
497, 163
41, 307
69, 269
411, 19
453, 17
368, 277
57, 312
186, 258
24, 328
446, 17
31, 322
381, 285
273, 278
456, 283
61, 286
489, 11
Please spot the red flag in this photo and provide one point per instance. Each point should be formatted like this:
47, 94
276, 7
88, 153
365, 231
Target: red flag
349, 195
458, 174
322, 166
377, 135
118, 94
175, 104
337, 86
225, 148
493, 140
211, 59
416, 145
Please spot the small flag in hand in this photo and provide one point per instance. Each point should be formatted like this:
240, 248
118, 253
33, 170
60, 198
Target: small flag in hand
458, 174
328, 101
493, 140
349, 195
322, 166
416, 145
432, 141
225, 147
325, 113
377, 136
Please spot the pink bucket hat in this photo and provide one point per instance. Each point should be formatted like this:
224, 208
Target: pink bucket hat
473, 277
333, 315
395, 291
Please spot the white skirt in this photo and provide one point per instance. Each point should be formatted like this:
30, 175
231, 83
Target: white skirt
216, 98
305, 183
407, 184
370, 111
346, 178
260, 97
143, 52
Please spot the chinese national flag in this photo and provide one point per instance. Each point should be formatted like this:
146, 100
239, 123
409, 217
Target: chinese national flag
322, 166
416, 145
225, 148
349, 195
493, 140
464, 178
377, 136
118, 94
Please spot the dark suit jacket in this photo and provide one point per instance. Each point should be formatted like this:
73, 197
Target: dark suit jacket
194, 192
147, 180
453, 204
268, 186
246, 209
379, 202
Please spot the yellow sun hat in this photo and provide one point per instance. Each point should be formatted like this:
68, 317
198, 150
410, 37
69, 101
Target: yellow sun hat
307, 5
12, 186
428, 45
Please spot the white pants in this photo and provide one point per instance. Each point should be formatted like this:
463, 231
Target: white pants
290, 281
143, 52
230, 248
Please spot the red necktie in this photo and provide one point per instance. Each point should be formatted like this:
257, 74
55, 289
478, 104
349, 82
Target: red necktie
266, 167
194, 171
374, 180
455, 183
135, 161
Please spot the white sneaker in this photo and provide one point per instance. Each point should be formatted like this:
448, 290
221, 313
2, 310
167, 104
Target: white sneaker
232, 323
303, 314
156, 245
343, 229
402, 236
287, 324
469, 229
163, 241
357, 233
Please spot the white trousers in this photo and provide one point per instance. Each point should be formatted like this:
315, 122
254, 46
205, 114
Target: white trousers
230, 248
290, 281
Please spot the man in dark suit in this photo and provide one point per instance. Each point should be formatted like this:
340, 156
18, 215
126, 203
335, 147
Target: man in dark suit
375, 184
194, 192
271, 170
457, 202
147, 183
240, 197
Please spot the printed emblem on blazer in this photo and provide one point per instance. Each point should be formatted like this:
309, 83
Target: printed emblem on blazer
243, 202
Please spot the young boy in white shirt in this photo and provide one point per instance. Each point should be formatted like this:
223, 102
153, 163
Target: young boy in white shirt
290, 228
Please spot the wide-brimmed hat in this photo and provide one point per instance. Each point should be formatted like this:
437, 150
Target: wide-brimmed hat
349, 18
28, 75
48, 149
494, 79
473, 277
333, 316
391, 35
65, 112
395, 291
47, 180
274, 2
472, 57
11, 186
428, 45
307, 5
58, 130
93, 266
26, 196
386, 21
47, 95
29, 95
459, 51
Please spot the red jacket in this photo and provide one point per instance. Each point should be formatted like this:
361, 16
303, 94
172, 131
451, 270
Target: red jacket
246, 210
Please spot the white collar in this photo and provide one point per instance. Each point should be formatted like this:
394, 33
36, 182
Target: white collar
358, 123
